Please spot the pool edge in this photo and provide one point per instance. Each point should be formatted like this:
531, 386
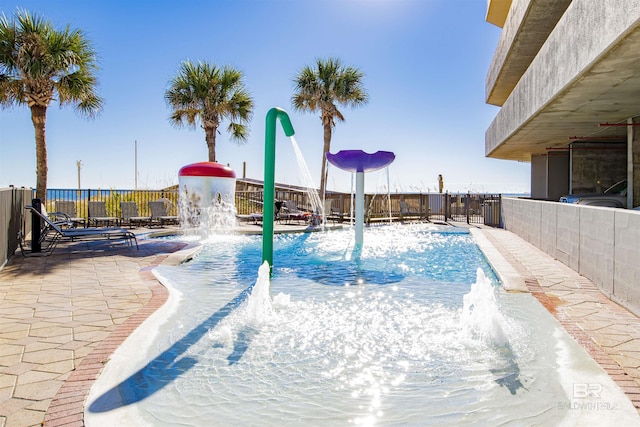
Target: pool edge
510, 279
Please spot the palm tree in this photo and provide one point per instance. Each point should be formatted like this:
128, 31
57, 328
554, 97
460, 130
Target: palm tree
320, 89
208, 94
39, 64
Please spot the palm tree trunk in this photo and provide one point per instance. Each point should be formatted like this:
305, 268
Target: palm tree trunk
39, 119
210, 136
325, 149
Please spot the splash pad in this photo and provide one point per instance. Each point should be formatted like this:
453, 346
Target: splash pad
207, 192
359, 162
407, 343
413, 348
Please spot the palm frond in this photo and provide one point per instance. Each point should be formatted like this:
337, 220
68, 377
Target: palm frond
319, 89
207, 94
45, 61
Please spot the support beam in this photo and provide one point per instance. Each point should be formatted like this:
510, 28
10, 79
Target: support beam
359, 208
633, 165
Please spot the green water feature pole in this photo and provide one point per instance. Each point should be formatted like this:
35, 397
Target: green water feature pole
268, 210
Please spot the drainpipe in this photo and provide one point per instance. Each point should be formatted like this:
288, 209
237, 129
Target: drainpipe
630, 138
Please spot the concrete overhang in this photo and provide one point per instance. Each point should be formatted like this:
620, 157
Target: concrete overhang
527, 28
497, 11
587, 73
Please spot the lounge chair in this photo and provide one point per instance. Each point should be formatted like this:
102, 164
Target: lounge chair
254, 217
59, 218
330, 213
98, 215
407, 213
68, 208
160, 214
290, 212
51, 233
129, 215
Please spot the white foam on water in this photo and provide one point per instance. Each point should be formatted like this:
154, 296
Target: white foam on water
203, 214
281, 300
258, 308
481, 316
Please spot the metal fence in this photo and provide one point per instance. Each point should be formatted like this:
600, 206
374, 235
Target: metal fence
112, 199
463, 207
469, 208
397, 207
466, 207
12, 219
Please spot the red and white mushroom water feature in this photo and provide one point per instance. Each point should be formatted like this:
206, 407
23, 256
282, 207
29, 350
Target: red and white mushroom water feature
207, 197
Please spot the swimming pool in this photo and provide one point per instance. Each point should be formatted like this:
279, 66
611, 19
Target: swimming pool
411, 330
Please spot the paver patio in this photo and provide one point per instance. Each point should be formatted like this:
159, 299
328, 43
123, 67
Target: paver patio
56, 310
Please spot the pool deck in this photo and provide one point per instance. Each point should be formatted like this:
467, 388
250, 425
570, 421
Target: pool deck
62, 316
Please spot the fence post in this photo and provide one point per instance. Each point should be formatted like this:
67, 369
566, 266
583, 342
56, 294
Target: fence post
447, 206
36, 226
466, 206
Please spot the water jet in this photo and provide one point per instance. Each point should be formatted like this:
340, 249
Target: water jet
207, 193
359, 162
268, 211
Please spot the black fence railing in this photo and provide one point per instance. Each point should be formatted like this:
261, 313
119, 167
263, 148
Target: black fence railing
469, 208
112, 199
462, 207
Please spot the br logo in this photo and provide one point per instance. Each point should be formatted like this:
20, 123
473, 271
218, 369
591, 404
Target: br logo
584, 390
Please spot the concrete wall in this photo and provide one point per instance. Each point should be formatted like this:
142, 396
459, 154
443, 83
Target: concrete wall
558, 180
539, 177
633, 166
525, 30
550, 175
12, 203
586, 30
596, 167
602, 244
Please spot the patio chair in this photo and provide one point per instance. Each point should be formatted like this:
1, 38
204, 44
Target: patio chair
129, 215
68, 207
331, 213
290, 212
59, 218
51, 234
98, 215
253, 217
407, 213
160, 214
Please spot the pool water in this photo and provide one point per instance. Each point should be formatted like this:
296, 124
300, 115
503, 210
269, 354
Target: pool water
411, 329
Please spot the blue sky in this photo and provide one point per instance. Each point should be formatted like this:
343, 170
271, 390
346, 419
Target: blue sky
424, 61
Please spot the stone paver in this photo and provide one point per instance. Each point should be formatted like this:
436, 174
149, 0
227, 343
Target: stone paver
609, 332
61, 317
55, 311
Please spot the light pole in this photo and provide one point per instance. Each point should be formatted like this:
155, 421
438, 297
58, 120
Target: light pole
79, 165
135, 159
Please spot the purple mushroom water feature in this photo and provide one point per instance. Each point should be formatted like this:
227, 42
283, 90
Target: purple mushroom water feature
359, 162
